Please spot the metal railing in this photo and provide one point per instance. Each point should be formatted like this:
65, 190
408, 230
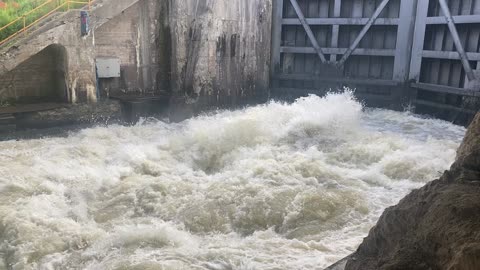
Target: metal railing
23, 23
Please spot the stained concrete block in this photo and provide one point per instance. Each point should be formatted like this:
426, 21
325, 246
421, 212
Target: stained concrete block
228, 62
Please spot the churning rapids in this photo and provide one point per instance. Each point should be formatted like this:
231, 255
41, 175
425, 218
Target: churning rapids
277, 186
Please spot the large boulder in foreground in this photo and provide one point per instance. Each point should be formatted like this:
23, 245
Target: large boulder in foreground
435, 227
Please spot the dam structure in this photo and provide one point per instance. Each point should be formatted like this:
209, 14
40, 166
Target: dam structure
200, 54
240, 134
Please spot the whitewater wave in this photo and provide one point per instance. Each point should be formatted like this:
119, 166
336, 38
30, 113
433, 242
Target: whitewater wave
276, 186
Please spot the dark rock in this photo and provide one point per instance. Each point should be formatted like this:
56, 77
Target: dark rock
435, 227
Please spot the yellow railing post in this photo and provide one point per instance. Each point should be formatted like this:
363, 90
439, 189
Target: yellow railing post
36, 20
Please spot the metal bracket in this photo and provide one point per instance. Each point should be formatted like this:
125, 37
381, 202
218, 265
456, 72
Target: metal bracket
307, 28
362, 33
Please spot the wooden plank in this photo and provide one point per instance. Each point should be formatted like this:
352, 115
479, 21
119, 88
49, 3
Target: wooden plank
394, 8
299, 63
384, 13
455, 75
387, 68
434, 72
473, 40
359, 51
466, 7
390, 37
404, 38
448, 43
456, 39
366, 42
323, 36
31, 108
444, 106
439, 38
323, 9
457, 19
368, 8
444, 73
455, 7
312, 10
446, 89
362, 33
307, 28
464, 32
357, 9
346, 9
327, 79
418, 41
289, 12
438, 45
310, 64
364, 67
375, 71
301, 38
379, 40
476, 8
276, 35
290, 34
472, 85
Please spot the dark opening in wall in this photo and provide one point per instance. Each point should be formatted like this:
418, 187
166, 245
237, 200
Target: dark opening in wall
41, 78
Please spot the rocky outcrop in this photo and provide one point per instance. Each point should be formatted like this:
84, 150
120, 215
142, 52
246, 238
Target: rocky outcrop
435, 227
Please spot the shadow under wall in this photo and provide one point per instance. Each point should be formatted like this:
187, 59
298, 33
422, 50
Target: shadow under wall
41, 78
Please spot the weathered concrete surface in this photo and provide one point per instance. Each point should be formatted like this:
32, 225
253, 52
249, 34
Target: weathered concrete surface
80, 79
435, 227
73, 114
42, 77
135, 38
220, 52
206, 53
62, 119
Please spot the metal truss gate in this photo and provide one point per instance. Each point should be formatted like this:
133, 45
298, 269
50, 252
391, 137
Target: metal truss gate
383, 48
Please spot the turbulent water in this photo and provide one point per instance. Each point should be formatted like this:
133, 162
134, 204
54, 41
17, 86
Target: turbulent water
277, 186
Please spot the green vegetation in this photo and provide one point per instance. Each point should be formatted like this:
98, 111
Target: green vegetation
13, 9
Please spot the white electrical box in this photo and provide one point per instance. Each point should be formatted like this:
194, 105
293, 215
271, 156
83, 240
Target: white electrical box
108, 67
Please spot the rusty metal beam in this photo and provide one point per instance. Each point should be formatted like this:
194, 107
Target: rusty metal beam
456, 40
307, 28
362, 33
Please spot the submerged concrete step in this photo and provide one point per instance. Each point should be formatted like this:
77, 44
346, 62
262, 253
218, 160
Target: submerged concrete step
7, 122
7, 118
33, 107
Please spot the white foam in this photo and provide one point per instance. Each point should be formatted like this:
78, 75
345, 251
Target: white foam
290, 186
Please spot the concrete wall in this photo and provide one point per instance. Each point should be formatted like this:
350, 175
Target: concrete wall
80, 51
133, 37
40, 78
220, 51
206, 53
